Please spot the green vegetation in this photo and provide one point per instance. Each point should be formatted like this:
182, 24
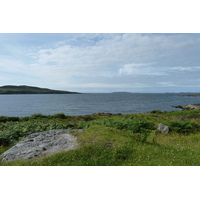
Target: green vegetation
23, 89
110, 140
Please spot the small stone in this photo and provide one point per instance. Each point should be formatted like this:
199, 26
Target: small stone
163, 128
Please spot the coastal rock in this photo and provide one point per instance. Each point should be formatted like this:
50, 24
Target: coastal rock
192, 95
163, 128
189, 107
43, 143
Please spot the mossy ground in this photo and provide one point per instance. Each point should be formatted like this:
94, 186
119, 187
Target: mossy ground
115, 140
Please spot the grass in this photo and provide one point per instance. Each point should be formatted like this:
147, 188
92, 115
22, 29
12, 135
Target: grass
114, 140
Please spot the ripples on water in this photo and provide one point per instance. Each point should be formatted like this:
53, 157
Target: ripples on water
82, 104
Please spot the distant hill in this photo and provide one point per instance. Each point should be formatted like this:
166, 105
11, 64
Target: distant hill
121, 93
23, 89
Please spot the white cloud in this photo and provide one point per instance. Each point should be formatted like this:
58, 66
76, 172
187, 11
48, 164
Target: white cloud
167, 84
113, 59
140, 69
117, 50
185, 69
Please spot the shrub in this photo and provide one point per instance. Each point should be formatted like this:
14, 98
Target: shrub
4, 141
38, 115
85, 118
6, 119
156, 112
59, 115
184, 127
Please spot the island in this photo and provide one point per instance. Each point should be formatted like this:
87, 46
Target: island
23, 89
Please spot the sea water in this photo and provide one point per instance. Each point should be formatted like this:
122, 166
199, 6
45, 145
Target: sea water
83, 104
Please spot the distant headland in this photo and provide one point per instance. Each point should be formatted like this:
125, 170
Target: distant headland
24, 89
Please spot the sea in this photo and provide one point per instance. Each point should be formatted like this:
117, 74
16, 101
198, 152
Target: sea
84, 104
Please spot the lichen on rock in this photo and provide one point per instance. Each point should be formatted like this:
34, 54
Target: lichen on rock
42, 143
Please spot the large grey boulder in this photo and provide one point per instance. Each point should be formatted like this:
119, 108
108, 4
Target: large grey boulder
43, 143
163, 128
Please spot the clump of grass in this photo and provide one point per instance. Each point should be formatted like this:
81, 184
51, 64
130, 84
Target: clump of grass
3, 149
191, 141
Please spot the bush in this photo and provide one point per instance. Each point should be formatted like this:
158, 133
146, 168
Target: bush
184, 127
156, 112
38, 115
7, 119
4, 141
59, 115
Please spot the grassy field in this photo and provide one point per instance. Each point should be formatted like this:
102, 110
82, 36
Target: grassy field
112, 140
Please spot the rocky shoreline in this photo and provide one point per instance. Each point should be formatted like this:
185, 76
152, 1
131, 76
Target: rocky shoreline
192, 95
189, 107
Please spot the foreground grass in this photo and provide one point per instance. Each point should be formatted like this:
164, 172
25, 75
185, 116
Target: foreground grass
120, 140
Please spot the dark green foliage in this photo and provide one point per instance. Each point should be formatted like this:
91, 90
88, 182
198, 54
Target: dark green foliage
12, 132
184, 127
137, 126
156, 112
13, 129
5, 141
59, 115
7, 119
182, 113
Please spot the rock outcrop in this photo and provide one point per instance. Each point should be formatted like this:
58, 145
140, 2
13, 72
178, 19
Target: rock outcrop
43, 143
192, 95
189, 107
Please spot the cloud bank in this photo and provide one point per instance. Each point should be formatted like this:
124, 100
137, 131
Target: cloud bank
103, 62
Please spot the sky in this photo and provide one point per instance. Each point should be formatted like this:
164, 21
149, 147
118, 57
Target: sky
102, 62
